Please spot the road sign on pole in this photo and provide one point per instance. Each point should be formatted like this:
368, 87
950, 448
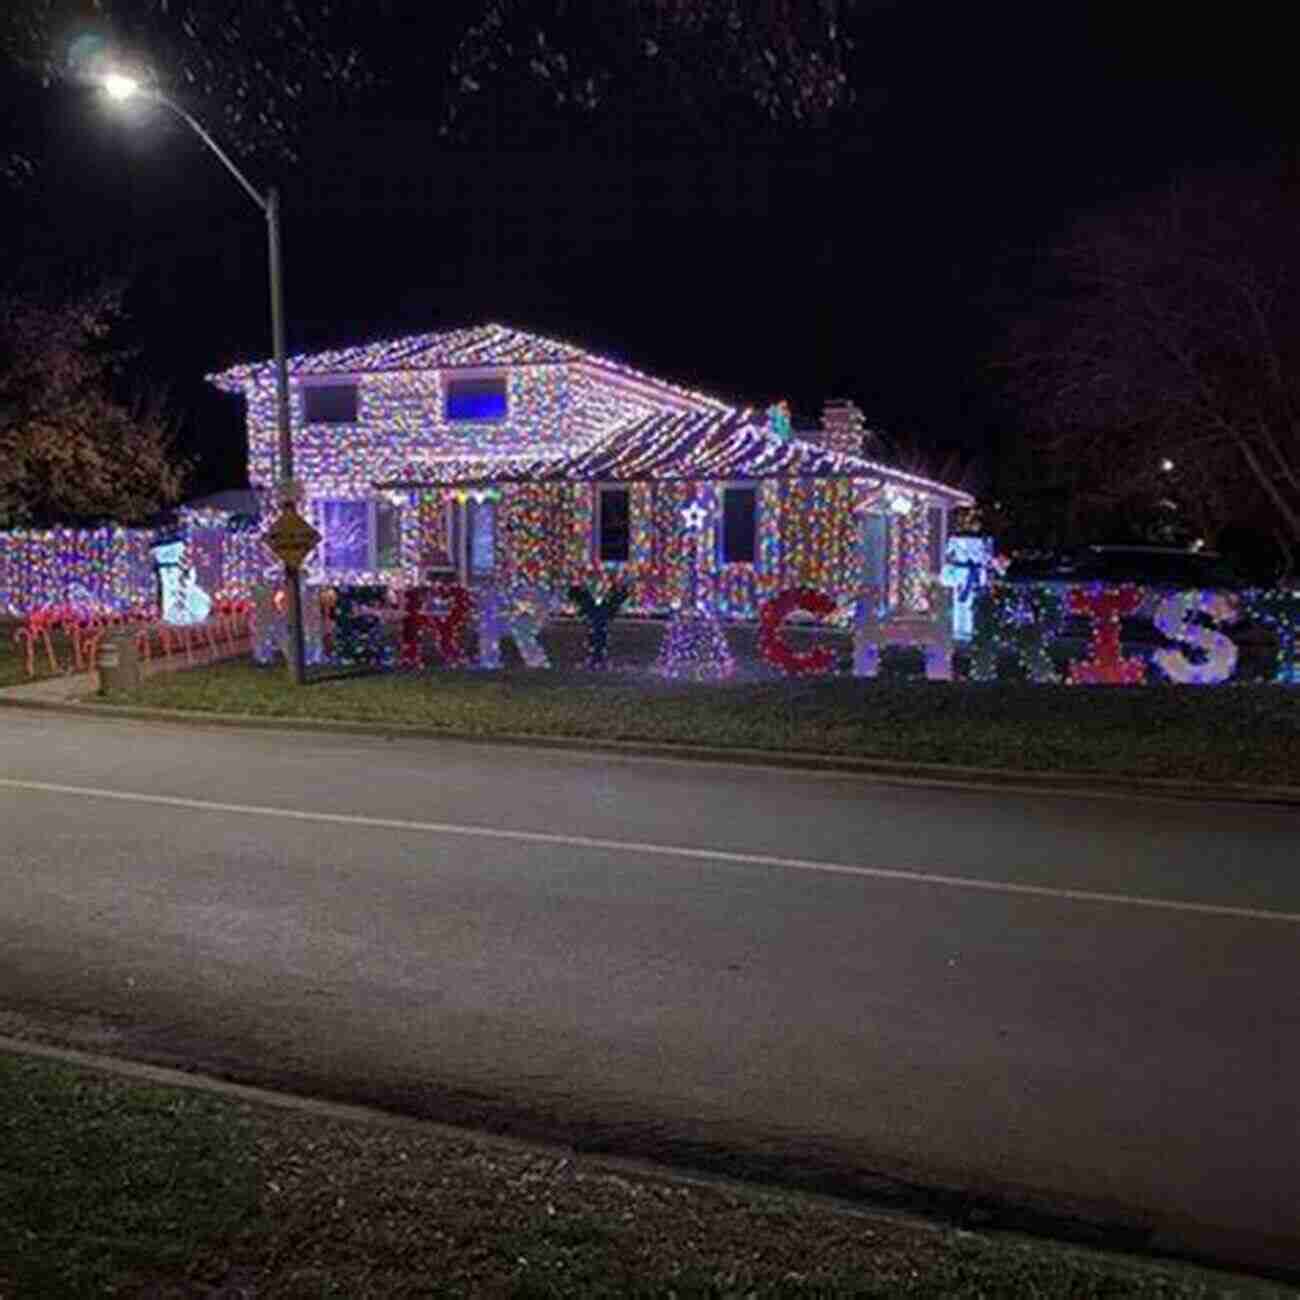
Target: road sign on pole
291, 537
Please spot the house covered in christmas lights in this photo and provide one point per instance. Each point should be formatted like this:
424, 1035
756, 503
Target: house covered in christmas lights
488, 454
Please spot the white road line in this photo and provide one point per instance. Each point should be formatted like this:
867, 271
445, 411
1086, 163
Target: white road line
658, 850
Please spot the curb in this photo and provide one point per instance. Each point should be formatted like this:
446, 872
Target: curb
1131, 1249
876, 769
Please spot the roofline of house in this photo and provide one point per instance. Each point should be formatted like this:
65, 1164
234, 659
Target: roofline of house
954, 497
238, 378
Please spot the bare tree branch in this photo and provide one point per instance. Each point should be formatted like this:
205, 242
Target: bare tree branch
1160, 332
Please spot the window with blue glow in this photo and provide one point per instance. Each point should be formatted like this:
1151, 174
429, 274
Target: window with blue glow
477, 399
360, 536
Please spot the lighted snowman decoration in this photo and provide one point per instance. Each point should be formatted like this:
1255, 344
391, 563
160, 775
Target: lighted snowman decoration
184, 602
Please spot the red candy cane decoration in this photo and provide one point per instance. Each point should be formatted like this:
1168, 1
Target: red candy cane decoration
772, 645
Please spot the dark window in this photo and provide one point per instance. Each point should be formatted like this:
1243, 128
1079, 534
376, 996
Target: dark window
936, 538
615, 525
388, 535
873, 559
739, 525
477, 399
329, 404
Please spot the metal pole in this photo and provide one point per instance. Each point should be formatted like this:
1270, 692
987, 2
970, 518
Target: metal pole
270, 204
297, 651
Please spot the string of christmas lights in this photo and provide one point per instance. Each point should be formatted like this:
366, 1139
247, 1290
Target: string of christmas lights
776, 650
112, 567
1280, 611
1017, 621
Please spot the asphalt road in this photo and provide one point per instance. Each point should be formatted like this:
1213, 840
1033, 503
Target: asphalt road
1080, 1006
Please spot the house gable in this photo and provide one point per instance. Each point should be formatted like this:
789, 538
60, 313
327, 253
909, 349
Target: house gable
559, 400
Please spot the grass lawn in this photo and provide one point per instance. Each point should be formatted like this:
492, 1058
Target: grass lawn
1248, 732
113, 1187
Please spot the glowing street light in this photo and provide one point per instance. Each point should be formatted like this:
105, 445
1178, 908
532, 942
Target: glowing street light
119, 86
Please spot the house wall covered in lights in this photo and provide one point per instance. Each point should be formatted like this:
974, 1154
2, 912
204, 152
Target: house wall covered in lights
491, 454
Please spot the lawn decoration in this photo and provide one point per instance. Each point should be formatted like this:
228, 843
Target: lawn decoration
1021, 621
85, 626
599, 614
773, 647
695, 647
932, 632
518, 612
1106, 666
1174, 618
183, 599
270, 607
359, 638
1279, 610
967, 568
39, 625
443, 609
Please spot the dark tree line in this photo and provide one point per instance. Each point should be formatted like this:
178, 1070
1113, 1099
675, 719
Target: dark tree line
76, 443
1152, 366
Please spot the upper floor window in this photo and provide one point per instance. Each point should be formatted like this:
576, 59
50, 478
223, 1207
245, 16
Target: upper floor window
614, 524
739, 541
477, 399
329, 403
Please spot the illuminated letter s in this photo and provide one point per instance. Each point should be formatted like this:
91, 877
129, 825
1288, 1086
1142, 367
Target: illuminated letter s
1174, 619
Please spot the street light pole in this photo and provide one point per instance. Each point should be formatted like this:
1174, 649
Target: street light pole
123, 87
293, 589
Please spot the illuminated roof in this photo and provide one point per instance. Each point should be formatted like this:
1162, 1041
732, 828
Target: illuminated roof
479, 345
679, 445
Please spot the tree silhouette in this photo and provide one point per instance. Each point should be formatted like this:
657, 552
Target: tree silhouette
69, 448
1152, 363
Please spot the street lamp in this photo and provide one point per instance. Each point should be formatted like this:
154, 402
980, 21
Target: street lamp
121, 87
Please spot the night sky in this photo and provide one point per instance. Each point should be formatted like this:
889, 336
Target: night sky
870, 260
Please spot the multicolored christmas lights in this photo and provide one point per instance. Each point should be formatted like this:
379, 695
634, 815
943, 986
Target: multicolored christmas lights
1105, 665
598, 613
778, 652
518, 612
360, 639
1175, 618
1017, 621
574, 421
441, 609
931, 632
1280, 612
109, 567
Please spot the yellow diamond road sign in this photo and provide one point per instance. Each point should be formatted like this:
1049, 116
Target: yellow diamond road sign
291, 537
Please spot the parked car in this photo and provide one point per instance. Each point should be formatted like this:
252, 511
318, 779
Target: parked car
1160, 569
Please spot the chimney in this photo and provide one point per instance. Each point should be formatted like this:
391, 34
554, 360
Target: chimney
844, 427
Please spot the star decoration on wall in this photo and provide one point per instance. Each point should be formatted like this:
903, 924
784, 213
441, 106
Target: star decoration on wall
695, 516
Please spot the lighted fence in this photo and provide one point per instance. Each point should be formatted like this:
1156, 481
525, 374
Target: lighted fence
108, 568
121, 568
